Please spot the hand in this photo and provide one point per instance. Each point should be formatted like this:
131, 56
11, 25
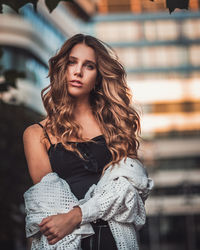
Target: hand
56, 227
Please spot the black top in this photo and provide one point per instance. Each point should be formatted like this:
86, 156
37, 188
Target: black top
80, 174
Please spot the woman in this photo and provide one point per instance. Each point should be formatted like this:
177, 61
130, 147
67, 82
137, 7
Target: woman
90, 125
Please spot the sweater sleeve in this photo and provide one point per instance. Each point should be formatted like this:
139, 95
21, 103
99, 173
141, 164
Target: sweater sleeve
118, 200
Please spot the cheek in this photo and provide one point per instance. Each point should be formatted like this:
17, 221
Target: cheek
68, 73
93, 78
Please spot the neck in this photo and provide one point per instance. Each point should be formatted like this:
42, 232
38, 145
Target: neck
82, 107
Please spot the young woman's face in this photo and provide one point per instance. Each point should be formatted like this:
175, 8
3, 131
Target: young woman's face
81, 70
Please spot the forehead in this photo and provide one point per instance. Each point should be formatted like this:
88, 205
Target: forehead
83, 52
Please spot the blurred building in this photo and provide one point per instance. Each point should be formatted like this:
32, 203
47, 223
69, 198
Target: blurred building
30, 38
161, 53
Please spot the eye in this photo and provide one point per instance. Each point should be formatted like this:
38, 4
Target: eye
71, 62
90, 66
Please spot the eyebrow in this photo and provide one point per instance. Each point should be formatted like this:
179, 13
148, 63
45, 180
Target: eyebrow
88, 61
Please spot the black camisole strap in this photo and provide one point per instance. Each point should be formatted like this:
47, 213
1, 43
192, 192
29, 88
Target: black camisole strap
45, 132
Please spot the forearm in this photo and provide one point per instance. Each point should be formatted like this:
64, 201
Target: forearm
77, 216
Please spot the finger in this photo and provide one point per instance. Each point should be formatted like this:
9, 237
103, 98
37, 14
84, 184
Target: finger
47, 233
44, 221
51, 237
54, 241
44, 229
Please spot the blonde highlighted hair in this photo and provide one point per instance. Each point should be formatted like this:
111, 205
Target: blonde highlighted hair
111, 102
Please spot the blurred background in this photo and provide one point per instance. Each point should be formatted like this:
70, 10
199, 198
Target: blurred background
161, 54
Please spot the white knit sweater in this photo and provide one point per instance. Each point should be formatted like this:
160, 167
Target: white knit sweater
52, 195
117, 198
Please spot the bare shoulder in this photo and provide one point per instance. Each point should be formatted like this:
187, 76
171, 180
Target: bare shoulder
34, 128
34, 131
36, 152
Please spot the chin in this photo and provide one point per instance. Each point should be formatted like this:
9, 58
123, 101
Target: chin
75, 91
77, 94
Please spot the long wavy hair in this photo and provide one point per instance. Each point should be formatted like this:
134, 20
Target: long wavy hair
111, 102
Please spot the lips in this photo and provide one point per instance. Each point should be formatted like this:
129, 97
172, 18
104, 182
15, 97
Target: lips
76, 83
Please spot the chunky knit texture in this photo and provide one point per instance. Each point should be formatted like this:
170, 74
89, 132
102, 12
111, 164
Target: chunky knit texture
119, 199
52, 195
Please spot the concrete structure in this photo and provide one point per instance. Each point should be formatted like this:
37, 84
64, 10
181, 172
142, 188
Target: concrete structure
31, 38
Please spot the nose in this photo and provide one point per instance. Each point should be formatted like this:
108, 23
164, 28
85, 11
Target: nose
78, 70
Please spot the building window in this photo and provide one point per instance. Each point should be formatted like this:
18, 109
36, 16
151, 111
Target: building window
166, 30
150, 31
114, 6
194, 55
174, 231
130, 57
136, 6
112, 31
22, 60
191, 28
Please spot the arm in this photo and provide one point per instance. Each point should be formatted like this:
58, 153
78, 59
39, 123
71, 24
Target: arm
57, 226
118, 200
36, 153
